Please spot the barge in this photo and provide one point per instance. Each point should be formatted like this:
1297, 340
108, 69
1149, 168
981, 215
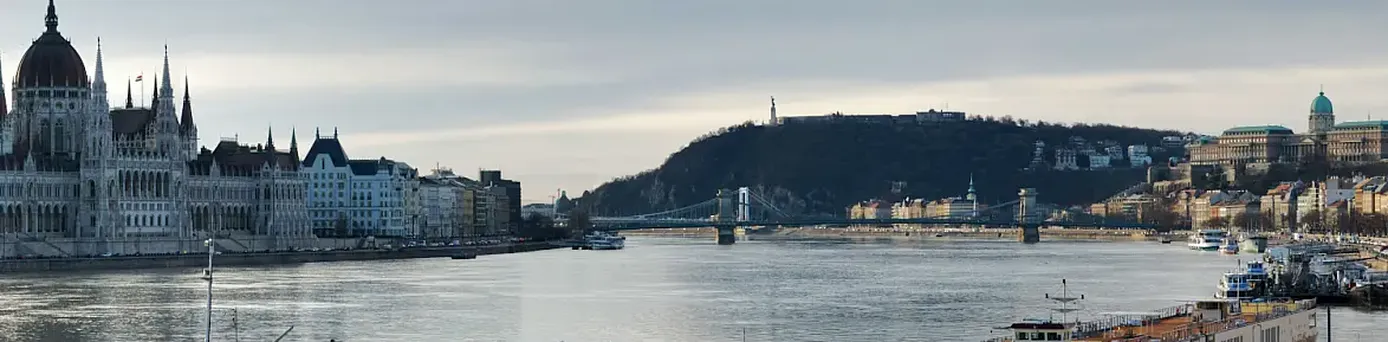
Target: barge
1203, 320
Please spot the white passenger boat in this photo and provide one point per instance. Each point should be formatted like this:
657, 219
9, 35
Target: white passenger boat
604, 241
1206, 240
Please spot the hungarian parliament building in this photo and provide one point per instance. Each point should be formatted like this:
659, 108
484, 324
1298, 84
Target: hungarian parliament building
74, 168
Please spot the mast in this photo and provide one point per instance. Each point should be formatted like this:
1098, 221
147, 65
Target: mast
1065, 299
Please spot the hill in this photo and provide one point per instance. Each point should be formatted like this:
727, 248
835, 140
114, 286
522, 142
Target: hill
824, 167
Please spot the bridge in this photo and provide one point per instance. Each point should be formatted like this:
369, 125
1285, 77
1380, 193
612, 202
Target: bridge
732, 209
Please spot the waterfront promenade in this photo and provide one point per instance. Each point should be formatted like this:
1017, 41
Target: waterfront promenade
253, 259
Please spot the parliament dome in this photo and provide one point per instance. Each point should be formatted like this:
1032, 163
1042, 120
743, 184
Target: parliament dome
51, 59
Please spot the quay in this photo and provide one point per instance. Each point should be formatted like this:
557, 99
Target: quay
256, 259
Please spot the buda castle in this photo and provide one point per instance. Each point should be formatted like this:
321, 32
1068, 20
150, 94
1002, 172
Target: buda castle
1345, 143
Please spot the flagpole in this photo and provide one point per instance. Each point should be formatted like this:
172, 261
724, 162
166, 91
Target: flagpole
141, 79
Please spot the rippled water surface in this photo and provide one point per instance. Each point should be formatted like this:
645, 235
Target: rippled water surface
655, 290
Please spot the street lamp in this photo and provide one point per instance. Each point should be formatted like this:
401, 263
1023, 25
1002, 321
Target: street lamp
207, 275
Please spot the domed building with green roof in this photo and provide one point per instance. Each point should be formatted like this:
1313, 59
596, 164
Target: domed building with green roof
1344, 143
1322, 118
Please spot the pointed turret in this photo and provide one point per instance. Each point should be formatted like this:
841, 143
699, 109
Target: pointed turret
154, 102
129, 101
185, 121
971, 193
167, 90
101, 105
4, 110
294, 146
51, 20
99, 84
270, 138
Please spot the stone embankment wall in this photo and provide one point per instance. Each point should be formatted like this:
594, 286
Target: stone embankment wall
914, 233
58, 247
251, 259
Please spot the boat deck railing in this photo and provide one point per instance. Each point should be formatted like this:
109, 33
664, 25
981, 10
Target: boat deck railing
1114, 326
1100, 327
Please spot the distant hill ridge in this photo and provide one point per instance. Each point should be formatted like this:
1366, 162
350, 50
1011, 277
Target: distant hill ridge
823, 167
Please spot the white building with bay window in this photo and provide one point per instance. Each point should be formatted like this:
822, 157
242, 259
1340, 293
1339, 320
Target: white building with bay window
363, 197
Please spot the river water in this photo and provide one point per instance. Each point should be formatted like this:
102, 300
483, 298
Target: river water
658, 289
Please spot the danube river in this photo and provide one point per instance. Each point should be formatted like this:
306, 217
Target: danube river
658, 289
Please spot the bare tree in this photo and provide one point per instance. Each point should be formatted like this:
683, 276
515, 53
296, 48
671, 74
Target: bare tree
1218, 222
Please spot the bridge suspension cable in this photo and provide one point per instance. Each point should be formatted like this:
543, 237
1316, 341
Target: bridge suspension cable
673, 212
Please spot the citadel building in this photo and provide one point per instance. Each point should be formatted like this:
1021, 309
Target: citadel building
87, 178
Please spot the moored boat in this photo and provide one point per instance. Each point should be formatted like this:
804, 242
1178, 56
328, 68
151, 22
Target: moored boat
1206, 240
599, 240
1204, 320
1229, 247
1254, 244
1235, 285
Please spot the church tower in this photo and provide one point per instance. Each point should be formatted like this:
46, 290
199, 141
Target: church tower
1322, 118
972, 196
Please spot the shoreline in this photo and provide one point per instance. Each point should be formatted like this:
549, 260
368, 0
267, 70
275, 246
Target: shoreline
253, 259
1010, 234
1376, 262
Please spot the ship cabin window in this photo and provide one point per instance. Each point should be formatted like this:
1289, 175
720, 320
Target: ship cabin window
1038, 336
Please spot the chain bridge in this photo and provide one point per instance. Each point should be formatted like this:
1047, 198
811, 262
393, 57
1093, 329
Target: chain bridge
732, 209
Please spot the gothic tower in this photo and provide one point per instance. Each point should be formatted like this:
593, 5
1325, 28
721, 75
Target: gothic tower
187, 129
294, 147
4, 106
6, 121
97, 204
165, 117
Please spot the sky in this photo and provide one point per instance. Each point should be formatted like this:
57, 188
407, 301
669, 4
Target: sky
567, 94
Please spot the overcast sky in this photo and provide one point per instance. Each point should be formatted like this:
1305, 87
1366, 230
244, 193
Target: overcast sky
570, 93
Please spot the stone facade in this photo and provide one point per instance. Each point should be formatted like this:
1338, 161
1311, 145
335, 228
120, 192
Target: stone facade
361, 197
78, 177
1325, 141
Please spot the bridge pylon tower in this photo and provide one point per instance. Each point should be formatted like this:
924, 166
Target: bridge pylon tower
728, 215
1028, 216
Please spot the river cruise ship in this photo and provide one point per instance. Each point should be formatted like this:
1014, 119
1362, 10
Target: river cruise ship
1219, 320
